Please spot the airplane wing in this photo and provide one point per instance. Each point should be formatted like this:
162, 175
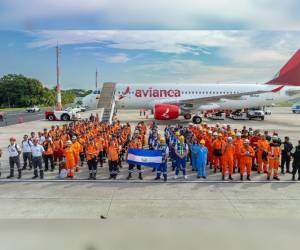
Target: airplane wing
218, 98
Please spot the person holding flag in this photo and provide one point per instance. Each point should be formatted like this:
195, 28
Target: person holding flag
163, 147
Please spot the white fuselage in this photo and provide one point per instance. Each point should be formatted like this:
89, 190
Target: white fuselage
145, 96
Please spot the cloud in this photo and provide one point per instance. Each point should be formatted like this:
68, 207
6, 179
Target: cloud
184, 14
115, 58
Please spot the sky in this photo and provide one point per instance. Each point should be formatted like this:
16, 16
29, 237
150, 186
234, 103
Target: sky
132, 41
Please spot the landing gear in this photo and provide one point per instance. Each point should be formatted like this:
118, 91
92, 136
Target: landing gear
197, 119
187, 116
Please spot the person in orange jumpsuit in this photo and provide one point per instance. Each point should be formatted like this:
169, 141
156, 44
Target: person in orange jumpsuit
48, 154
238, 143
91, 157
247, 153
218, 149
228, 158
113, 158
263, 148
76, 146
274, 156
70, 159
58, 150
208, 144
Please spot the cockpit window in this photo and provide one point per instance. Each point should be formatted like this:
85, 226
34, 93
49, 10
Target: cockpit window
96, 92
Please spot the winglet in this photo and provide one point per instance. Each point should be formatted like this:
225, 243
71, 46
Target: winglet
277, 89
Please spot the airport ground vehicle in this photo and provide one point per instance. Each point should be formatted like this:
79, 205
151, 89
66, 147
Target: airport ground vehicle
256, 114
296, 109
33, 109
64, 115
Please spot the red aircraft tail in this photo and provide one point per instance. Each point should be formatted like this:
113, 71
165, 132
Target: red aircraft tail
290, 73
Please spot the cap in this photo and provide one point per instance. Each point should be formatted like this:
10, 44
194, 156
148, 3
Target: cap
202, 142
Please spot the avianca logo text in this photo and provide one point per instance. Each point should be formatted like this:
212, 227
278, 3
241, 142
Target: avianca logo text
152, 93
124, 93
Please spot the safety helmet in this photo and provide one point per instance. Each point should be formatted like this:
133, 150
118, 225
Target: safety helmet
202, 142
232, 133
215, 133
177, 133
69, 142
229, 138
238, 134
246, 141
209, 132
162, 139
74, 137
220, 134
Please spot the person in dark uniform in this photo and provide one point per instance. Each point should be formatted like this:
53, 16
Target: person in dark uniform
286, 148
296, 162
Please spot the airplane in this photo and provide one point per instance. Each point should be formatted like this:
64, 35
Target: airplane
170, 100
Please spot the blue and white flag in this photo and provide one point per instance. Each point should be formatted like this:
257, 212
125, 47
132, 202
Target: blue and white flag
144, 157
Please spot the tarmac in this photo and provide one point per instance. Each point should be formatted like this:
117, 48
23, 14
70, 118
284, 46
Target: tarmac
121, 199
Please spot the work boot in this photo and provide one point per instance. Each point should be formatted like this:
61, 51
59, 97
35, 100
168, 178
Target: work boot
41, 174
288, 171
282, 171
204, 177
90, 176
276, 178
248, 178
258, 172
11, 175
230, 178
234, 170
293, 178
24, 168
52, 169
223, 177
157, 178
35, 174
94, 176
140, 176
215, 170
298, 177
268, 178
129, 176
19, 173
242, 177
46, 169
165, 178
153, 170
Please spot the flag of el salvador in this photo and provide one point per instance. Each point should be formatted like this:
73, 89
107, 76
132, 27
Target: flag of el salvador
144, 157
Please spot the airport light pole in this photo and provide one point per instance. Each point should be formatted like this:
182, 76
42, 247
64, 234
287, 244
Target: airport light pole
96, 78
58, 106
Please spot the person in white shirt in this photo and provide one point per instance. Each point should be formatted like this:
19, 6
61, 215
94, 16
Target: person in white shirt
37, 152
41, 138
26, 149
14, 152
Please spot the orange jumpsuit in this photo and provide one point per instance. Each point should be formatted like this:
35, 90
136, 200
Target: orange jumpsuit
246, 153
274, 155
228, 159
218, 144
76, 146
70, 160
238, 143
262, 145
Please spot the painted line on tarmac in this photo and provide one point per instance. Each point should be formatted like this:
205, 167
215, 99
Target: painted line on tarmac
145, 181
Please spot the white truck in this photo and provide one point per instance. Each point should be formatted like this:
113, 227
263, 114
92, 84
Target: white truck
33, 109
64, 115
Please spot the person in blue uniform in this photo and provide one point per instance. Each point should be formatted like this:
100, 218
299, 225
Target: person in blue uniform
201, 160
181, 150
163, 166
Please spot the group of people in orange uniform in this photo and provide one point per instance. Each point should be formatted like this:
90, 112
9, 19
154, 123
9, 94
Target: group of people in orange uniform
228, 150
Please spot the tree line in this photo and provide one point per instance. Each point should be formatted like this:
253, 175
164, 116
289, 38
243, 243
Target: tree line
21, 91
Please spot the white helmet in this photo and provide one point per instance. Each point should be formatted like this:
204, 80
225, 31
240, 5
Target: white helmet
238, 134
215, 133
246, 141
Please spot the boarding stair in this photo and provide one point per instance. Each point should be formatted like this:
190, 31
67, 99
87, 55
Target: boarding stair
107, 101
